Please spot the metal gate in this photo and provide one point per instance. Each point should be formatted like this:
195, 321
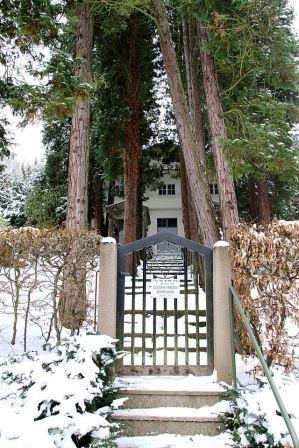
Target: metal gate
165, 306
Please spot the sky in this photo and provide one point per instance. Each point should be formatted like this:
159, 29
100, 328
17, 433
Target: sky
28, 141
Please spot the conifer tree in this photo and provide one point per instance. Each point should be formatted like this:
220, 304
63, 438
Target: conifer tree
196, 175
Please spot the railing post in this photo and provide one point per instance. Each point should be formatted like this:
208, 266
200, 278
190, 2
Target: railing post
107, 288
222, 338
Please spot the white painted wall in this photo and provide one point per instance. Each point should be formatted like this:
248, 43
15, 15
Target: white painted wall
167, 206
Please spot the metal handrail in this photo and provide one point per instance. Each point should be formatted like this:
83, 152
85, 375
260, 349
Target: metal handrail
234, 298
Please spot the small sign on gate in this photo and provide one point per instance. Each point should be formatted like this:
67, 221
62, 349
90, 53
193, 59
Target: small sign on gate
162, 288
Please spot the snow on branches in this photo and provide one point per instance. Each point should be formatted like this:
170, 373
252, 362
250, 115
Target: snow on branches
60, 398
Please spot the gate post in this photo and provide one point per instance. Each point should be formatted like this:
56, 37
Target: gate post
221, 283
107, 287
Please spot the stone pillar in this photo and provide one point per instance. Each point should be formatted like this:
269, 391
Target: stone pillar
107, 288
221, 283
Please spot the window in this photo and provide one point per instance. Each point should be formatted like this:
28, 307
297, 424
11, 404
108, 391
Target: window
167, 190
213, 188
171, 189
167, 222
118, 190
162, 222
162, 190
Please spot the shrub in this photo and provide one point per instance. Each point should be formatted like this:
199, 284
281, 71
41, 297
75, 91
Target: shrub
3, 222
33, 274
58, 399
265, 266
247, 428
45, 207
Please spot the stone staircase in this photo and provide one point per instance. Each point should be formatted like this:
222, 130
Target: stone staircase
177, 406
168, 411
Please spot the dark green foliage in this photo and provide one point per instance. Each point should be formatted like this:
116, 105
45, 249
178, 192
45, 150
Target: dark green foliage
255, 52
4, 141
86, 376
46, 207
246, 426
254, 49
46, 204
56, 138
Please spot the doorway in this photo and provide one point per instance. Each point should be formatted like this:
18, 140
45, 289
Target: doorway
169, 225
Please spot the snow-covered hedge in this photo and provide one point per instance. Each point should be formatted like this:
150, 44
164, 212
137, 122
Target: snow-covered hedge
265, 267
58, 399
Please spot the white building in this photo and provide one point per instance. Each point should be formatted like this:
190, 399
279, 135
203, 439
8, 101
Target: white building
161, 211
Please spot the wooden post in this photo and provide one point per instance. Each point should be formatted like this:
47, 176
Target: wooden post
107, 288
221, 283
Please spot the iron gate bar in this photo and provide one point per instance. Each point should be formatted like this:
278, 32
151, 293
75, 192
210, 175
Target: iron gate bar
208, 256
197, 323
154, 331
176, 344
143, 305
186, 306
133, 308
165, 331
170, 238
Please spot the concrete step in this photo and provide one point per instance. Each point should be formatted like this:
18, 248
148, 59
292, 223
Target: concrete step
156, 398
174, 441
183, 421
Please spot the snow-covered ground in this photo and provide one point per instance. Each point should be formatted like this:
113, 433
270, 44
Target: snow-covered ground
40, 312
256, 399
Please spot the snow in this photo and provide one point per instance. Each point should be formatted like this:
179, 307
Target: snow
153, 265
108, 240
289, 223
40, 312
175, 441
44, 398
19, 430
221, 244
254, 294
257, 397
183, 413
170, 383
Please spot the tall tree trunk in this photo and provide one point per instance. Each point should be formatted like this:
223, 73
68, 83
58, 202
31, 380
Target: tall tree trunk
73, 303
190, 221
194, 227
76, 216
133, 133
139, 215
185, 199
228, 200
193, 89
98, 209
252, 197
264, 206
195, 172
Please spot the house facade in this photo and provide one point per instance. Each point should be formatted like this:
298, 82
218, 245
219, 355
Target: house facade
162, 209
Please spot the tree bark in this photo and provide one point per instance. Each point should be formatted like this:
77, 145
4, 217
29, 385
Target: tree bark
228, 200
99, 218
264, 206
194, 227
193, 89
73, 300
76, 216
195, 171
133, 134
185, 199
252, 197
